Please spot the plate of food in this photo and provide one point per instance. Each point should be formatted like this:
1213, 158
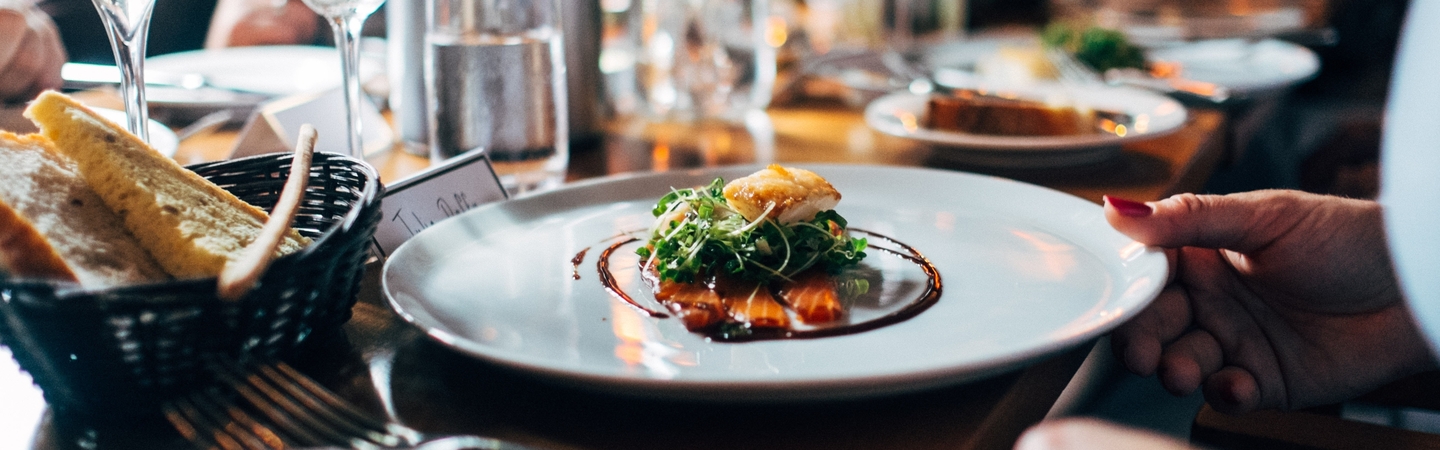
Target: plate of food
1243, 67
1029, 125
659, 285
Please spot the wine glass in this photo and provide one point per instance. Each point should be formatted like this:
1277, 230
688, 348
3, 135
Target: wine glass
127, 22
346, 17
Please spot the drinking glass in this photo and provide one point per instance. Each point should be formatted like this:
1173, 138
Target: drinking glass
704, 58
495, 82
127, 22
346, 18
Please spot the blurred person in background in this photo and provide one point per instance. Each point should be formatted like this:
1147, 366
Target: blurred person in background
30, 52
38, 36
238, 23
175, 26
178, 26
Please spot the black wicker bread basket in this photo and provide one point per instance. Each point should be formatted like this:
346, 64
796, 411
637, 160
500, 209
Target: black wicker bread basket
125, 350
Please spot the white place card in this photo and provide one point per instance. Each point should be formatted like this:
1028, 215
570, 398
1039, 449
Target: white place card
415, 203
275, 126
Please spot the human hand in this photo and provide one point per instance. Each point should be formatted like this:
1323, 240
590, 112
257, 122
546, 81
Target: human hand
30, 52
1278, 299
1083, 434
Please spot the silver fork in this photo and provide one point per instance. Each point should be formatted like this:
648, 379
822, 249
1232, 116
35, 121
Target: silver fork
1071, 70
1074, 72
281, 408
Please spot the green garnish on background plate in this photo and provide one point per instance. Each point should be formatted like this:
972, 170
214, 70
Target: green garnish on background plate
1100, 48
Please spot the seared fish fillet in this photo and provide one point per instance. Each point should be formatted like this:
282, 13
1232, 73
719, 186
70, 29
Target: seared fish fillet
796, 194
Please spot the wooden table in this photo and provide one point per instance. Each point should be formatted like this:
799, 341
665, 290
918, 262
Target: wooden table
434, 389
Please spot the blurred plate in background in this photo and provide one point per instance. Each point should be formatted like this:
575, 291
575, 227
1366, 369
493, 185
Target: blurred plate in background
1246, 67
278, 70
164, 140
1153, 115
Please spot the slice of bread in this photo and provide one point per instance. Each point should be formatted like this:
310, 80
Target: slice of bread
190, 225
52, 225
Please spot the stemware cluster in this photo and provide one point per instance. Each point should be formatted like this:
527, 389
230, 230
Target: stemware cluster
127, 23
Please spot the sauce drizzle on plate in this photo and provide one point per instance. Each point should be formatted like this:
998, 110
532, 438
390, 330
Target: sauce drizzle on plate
575, 263
925, 300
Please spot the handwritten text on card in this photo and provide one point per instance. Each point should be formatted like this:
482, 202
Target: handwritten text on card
413, 204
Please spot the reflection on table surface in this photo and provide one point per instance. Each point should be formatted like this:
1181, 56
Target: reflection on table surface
831, 133
434, 389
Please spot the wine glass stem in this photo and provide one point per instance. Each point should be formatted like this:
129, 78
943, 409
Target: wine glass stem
128, 40
347, 38
133, 89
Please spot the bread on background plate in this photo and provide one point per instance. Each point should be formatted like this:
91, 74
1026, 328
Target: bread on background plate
53, 226
188, 224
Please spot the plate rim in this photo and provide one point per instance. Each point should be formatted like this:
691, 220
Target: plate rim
1260, 86
762, 391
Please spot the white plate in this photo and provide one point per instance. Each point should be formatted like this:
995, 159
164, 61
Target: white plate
903, 115
1243, 66
966, 54
1249, 67
274, 70
1409, 165
161, 137
1151, 24
1027, 272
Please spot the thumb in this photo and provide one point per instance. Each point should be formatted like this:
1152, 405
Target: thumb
1239, 222
1084, 433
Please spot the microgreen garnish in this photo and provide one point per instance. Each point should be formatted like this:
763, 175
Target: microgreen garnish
697, 234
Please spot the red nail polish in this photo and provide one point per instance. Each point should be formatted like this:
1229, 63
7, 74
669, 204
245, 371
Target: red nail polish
1129, 208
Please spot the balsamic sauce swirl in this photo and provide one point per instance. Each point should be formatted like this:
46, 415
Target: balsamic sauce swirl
924, 301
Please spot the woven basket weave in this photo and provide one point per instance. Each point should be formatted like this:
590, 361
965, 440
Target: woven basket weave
126, 349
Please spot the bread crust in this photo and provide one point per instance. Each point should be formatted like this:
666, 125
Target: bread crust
25, 253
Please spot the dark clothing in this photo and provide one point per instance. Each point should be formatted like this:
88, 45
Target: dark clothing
177, 25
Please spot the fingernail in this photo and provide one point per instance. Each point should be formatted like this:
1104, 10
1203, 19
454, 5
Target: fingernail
1129, 208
